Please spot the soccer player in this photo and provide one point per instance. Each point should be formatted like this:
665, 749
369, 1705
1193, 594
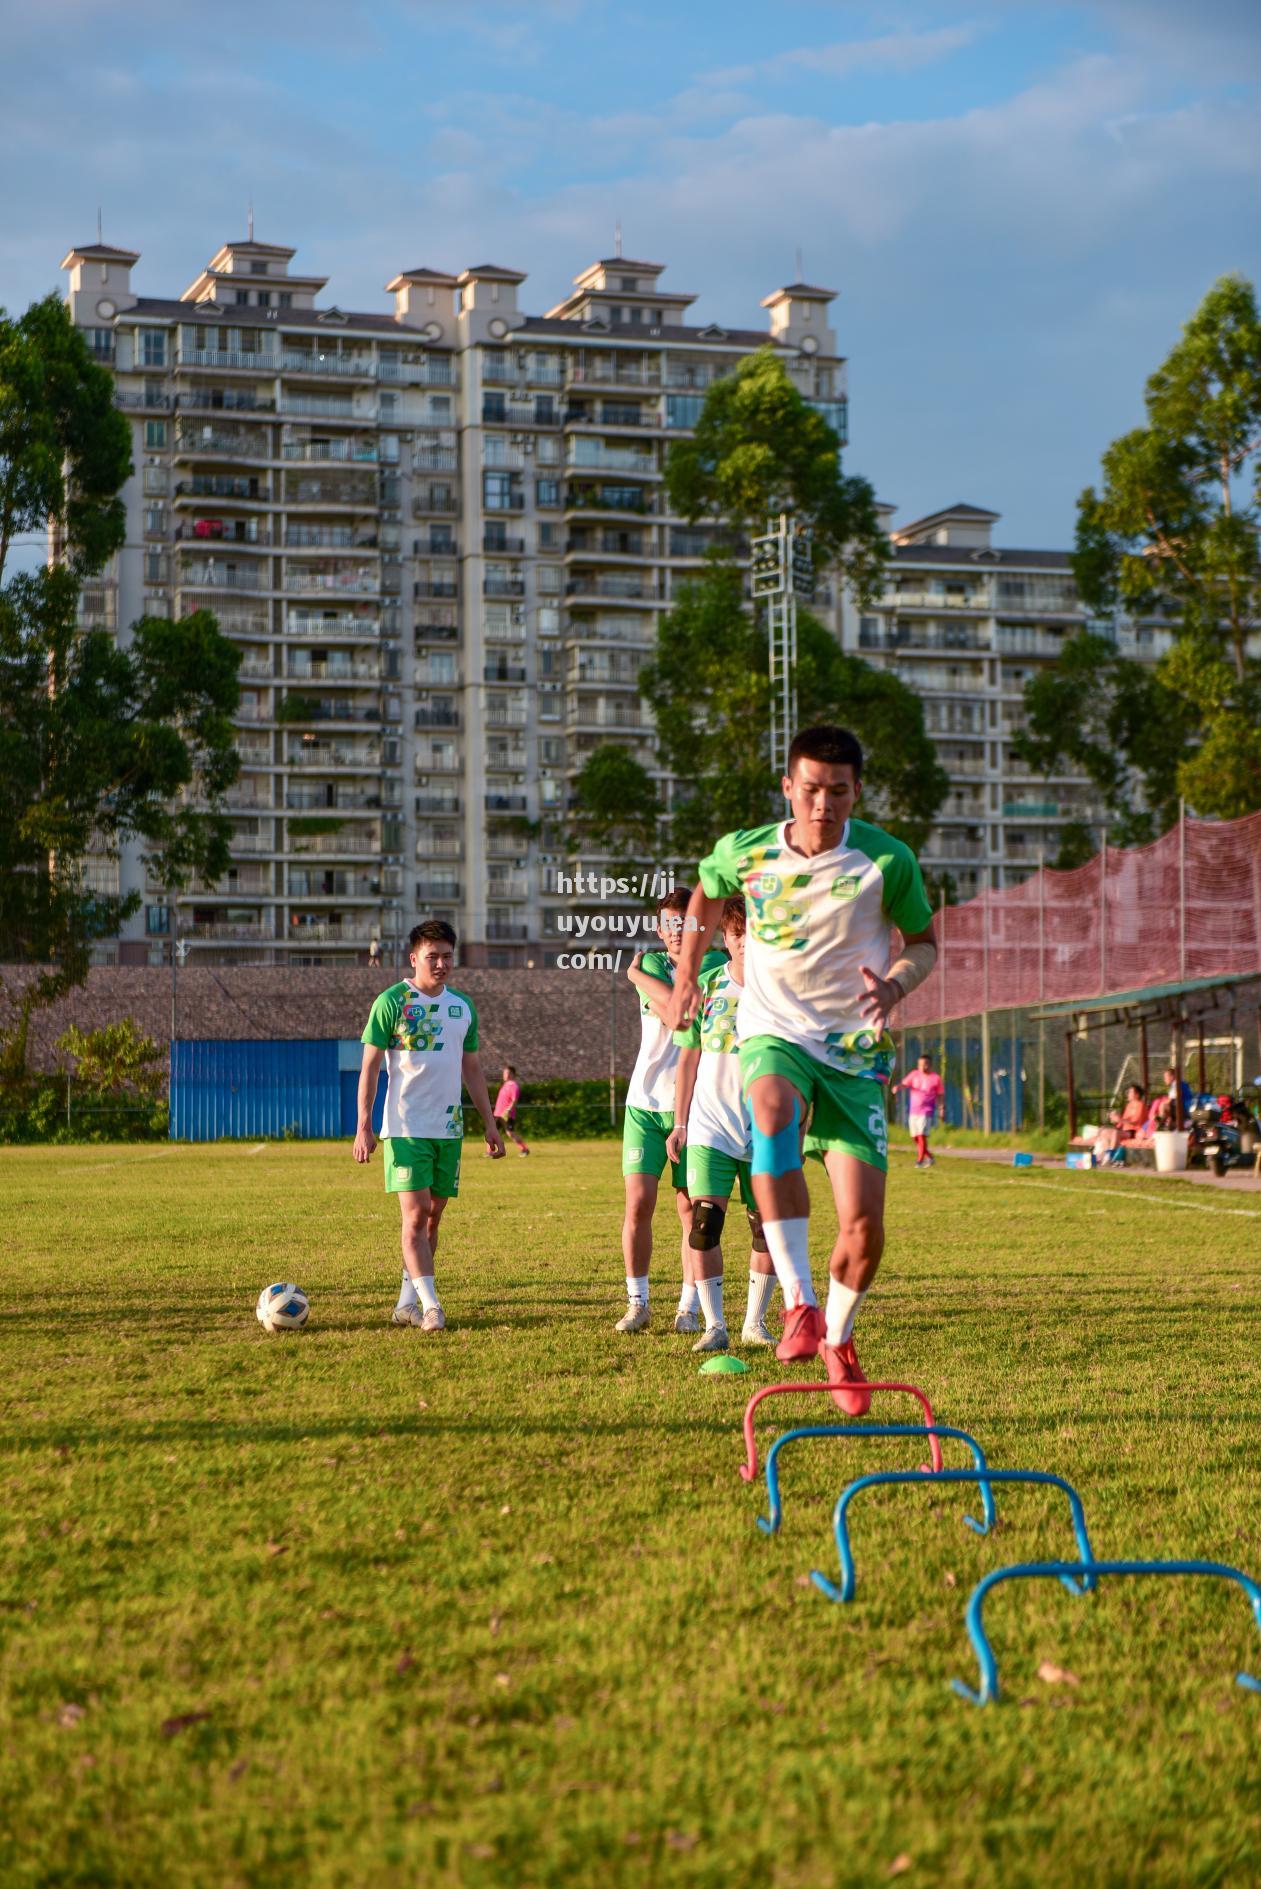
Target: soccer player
824, 892
506, 1106
650, 1117
712, 1122
427, 1034
927, 1094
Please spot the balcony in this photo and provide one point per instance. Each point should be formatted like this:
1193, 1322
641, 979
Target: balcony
588, 455
335, 885
440, 505
426, 632
343, 366
221, 486
626, 588
332, 628
588, 498
362, 760
237, 882
303, 931
223, 400
498, 544
436, 588
605, 715
504, 672
355, 842
503, 587
214, 576
226, 929
448, 803
434, 372
331, 451
256, 360
498, 716
353, 579
434, 458
437, 718
309, 711
912, 637
328, 407
507, 885
191, 442
610, 372
505, 803
255, 754
505, 930
434, 886
334, 537
333, 800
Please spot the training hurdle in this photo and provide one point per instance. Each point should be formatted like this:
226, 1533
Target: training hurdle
1059, 1570
983, 1475
748, 1468
769, 1524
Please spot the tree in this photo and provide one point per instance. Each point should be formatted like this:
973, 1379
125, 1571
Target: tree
758, 449
709, 689
99, 738
616, 807
1172, 533
114, 1059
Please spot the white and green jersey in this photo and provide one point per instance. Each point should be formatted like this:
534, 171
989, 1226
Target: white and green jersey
812, 925
424, 1038
652, 1079
717, 1117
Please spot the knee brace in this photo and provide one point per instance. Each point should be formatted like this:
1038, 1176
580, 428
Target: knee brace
755, 1230
707, 1219
779, 1153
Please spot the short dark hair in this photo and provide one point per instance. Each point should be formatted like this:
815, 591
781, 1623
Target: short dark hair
827, 743
733, 915
511, 1068
431, 931
676, 901
925, 1056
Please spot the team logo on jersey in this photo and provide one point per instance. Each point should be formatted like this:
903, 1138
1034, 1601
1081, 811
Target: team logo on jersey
453, 1010
846, 885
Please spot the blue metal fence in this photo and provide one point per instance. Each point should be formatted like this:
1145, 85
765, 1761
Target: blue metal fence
250, 1089
964, 1072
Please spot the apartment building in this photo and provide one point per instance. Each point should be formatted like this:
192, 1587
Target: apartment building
438, 535
966, 624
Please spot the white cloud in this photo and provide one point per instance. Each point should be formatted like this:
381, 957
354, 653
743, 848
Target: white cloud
890, 52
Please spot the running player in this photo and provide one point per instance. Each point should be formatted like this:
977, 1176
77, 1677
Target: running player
648, 1120
506, 1106
712, 1122
825, 892
426, 1032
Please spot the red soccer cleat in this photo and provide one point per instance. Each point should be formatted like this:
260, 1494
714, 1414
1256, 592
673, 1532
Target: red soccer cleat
845, 1375
803, 1333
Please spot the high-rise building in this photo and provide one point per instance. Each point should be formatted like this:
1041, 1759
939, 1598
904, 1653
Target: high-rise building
439, 537
967, 624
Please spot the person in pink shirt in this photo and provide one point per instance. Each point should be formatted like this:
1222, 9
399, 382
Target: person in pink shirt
927, 1094
506, 1106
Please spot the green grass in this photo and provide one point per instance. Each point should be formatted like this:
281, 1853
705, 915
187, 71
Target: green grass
491, 1608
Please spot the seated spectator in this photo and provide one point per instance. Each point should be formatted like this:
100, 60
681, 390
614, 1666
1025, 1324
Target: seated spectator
1127, 1125
1167, 1114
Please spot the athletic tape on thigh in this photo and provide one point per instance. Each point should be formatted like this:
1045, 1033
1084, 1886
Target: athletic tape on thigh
779, 1153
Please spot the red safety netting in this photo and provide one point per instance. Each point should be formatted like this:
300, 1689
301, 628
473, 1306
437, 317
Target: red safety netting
1187, 906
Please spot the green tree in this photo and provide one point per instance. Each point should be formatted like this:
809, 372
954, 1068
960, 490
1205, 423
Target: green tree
117, 1058
759, 448
1172, 533
99, 739
616, 808
709, 690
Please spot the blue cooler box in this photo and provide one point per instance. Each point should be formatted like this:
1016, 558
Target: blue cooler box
1079, 1158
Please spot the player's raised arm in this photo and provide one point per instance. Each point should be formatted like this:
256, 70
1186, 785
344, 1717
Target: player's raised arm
700, 933
369, 1071
475, 1083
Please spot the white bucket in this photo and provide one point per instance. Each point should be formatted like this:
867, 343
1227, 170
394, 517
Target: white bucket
1171, 1150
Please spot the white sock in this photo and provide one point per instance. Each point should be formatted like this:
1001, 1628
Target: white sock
709, 1292
789, 1243
843, 1304
425, 1292
637, 1289
407, 1293
689, 1298
761, 1289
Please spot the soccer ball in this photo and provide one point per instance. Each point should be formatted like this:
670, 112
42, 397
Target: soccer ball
282, 1308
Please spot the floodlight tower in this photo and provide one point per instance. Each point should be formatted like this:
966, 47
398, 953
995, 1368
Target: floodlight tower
783, 570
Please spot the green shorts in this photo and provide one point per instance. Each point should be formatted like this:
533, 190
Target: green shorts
411, 1164
644, 1132
846, 1112
711, 1175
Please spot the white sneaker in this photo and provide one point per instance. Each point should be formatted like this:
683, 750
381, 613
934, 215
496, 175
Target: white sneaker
687, 1321
713, 1338
756, 1334
635, 1317
407, 1314
435, 1319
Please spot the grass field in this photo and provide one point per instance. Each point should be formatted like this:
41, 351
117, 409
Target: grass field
364, 1606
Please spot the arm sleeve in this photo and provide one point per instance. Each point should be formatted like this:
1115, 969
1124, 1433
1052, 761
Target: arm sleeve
470, 1039
717, 871
905, 900
655, 964
379, 1029
691, 1037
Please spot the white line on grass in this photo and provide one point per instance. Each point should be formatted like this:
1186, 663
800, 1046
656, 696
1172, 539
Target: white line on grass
127, 1162
1148, 1200
260, 1149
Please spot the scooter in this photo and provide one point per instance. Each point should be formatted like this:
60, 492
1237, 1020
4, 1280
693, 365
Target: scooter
1234, 1138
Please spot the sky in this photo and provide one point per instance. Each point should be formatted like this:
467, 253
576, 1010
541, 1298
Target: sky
1018, 204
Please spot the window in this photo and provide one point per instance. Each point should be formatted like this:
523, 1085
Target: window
154, 435
101, 342
242, 295
153, 348
154, 568
547, 451
440, 407
285, 299
548, 620
154, 479
628, 284
547, 492
388, 404
494, 408
497, 492
264, 298
683, 409
549, 537
157, 918
658, 317
155, 521
548, 578
258, 268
